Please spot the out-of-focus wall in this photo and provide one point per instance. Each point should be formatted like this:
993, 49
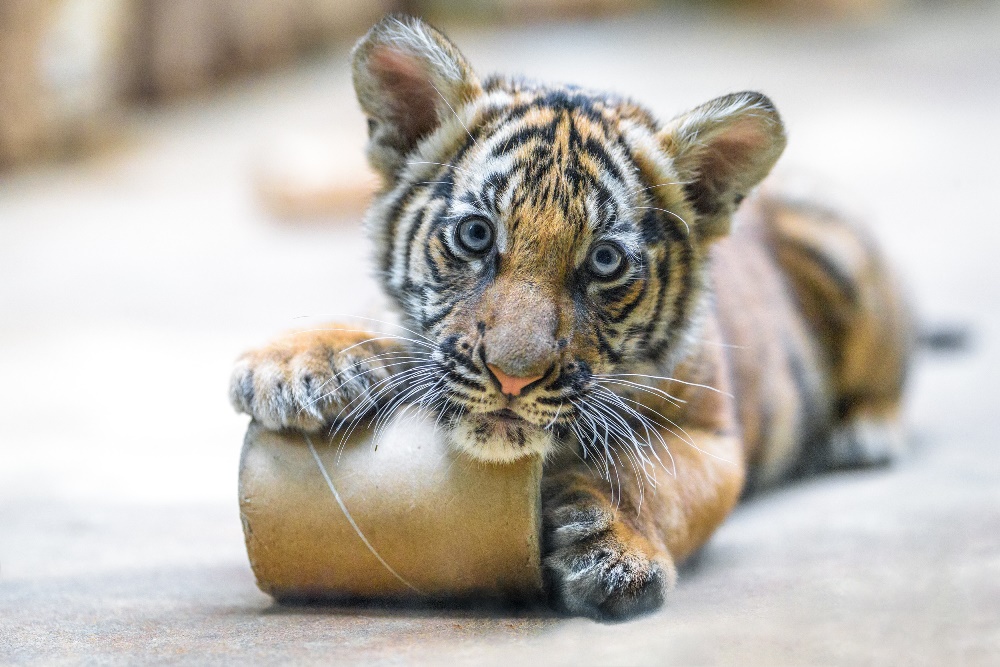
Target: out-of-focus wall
179, 46
68, 68
520, 11
59, 76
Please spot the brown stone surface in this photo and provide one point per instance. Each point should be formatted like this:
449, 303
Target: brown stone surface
128, 286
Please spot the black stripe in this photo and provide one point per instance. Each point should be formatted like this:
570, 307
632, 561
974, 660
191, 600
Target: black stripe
813, 422
597, 151
523, 136
842, 281
432, 322
452, 376
682, 305
627, 308
663, 278
604, 347
393, 219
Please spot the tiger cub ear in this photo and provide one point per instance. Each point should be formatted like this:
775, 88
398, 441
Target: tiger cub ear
722, 149
408, 78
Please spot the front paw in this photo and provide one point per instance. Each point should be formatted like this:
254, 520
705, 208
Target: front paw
596, 565
304, 382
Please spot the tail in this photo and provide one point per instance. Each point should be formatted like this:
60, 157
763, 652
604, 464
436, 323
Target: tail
944, 337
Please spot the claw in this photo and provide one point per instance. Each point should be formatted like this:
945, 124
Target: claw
284, 386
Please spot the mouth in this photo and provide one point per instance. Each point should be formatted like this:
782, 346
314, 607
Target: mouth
506, 416
500, 436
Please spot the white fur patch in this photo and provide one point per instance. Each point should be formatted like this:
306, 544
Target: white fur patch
411, 36
497, 442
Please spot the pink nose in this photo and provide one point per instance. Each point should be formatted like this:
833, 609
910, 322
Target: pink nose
510, 384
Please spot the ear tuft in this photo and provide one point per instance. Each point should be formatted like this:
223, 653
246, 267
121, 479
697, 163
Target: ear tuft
407, 76
723, 149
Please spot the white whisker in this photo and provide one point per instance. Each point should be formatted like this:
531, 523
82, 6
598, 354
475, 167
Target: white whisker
457, 117
668, 379
555, 417
671, 213
658, 185
673, 400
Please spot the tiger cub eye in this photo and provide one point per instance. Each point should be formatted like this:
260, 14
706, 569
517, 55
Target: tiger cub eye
606, 259
475, 235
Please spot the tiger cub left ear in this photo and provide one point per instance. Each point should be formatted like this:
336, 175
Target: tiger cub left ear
409, 79
722, 149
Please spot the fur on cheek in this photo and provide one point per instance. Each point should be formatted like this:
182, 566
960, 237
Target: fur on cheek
498, 443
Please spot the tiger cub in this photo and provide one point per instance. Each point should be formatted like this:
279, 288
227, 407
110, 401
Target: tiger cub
577, 290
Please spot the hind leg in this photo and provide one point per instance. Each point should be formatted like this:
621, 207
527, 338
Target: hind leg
874, 349
856, 308
865, 438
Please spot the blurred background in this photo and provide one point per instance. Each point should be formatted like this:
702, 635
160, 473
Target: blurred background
181, 179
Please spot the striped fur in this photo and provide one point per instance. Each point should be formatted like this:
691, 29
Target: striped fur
654, 385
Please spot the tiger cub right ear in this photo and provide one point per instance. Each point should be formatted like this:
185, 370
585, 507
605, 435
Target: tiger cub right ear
722, 149
408, 78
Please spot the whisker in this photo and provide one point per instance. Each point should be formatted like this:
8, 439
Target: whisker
353, 377
369, 319
621, 401
373, 400
658, 185
371, 397
683, 436
644, 422
625, 430
669, 379
398, 325
673, 400
611, 460
687, 439
403, 399
443, 164
558, 410
420, 385
671, 213
397, 377
383, 336
457, 117
580, 411
630, 449
393, 356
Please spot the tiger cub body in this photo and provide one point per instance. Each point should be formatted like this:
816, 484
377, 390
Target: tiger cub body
565, 266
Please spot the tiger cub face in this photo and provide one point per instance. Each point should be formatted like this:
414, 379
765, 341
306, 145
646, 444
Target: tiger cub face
539, 238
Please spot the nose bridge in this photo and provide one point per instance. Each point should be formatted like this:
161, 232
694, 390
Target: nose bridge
521, 322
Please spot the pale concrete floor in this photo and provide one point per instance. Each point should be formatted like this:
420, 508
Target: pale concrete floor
128, 285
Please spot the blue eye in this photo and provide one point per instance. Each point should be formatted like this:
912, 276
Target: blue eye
475, 235
605, 261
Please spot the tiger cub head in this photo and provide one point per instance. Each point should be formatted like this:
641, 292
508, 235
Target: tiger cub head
539, 238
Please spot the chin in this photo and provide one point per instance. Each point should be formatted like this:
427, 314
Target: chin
493, 439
